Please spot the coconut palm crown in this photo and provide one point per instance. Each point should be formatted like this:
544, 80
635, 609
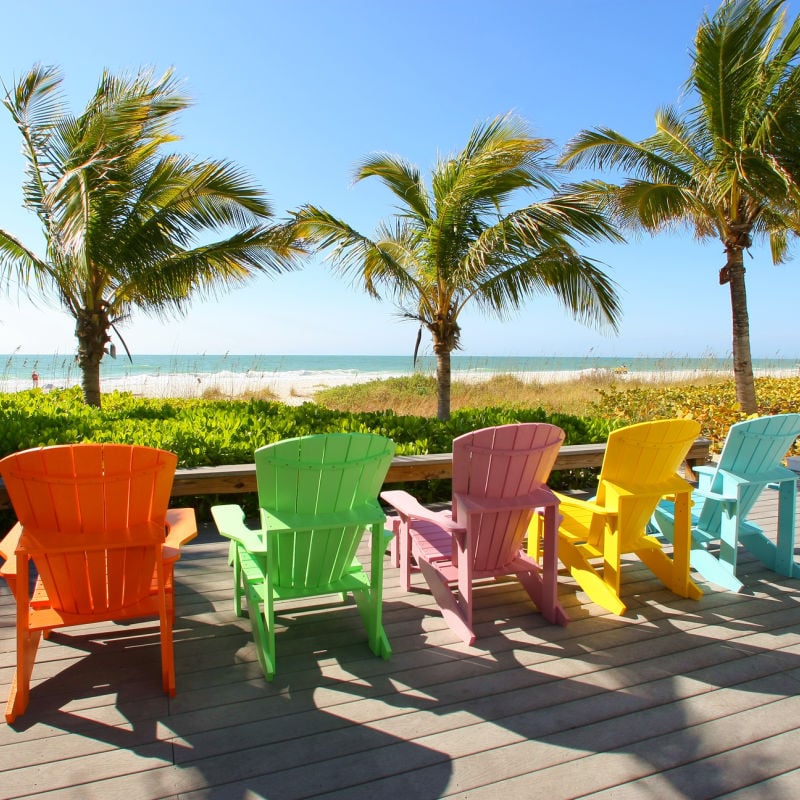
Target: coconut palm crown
127, 226
454, 243
729, 167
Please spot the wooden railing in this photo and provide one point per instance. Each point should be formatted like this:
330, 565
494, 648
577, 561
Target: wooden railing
241, 478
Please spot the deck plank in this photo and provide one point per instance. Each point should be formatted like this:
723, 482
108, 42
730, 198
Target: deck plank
677, 698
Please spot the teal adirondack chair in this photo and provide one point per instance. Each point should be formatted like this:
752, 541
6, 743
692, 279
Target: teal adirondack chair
750, 460
317, 497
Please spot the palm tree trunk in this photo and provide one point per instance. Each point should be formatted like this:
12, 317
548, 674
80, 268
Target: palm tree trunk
742, 358
443, 379
92, 336
90, 381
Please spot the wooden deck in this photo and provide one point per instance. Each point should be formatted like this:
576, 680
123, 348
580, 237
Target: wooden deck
677, 699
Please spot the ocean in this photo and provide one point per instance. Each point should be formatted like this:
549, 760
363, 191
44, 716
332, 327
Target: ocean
298, 375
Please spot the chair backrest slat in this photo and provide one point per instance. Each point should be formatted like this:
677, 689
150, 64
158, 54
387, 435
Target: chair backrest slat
752, 449
643, 458
502, 463
93, 518
309, 476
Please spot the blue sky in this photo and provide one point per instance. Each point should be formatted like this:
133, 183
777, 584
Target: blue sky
298, 92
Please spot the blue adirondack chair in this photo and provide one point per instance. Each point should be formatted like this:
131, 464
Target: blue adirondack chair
750, 460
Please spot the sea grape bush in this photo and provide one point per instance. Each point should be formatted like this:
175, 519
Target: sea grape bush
216, 432
714, 405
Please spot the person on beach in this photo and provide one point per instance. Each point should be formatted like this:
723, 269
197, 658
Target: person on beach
35, 379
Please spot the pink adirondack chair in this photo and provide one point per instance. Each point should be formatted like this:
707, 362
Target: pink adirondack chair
499, 482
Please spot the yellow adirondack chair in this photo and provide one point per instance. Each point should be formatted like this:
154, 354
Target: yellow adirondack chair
639, 469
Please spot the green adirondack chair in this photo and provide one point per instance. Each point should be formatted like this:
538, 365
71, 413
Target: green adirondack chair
317, 497
750, 461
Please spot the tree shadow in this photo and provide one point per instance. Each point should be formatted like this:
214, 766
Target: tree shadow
650, 691
227, 734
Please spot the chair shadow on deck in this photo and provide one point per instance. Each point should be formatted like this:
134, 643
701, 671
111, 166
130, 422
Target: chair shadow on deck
227, 733
440, 713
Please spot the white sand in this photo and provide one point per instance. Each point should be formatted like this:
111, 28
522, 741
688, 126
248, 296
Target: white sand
294, 388
297, 388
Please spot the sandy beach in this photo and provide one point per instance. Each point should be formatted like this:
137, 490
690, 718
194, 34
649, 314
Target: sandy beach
295, 379
295, 388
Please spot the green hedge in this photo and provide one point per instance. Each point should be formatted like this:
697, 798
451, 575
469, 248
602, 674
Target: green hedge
209, 433
216, 432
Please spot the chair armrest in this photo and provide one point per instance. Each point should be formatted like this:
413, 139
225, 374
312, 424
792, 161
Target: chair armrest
408, 506
674, 484
363, 516
230, 523
487, 505
731, 483
705, 475
775, 475
8, 547
181, 526
565, 503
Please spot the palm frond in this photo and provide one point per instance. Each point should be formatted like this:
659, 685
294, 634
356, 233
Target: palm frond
36, 105
203, 271
401, 177
605, 148
579, 283
730, 49
18, 261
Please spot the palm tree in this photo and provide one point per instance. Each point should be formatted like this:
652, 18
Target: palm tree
121, 219
729, 168
456, 243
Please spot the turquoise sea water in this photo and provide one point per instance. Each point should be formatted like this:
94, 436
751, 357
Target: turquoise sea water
63, 369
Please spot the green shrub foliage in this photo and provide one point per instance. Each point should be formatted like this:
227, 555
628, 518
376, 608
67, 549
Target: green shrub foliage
213, 432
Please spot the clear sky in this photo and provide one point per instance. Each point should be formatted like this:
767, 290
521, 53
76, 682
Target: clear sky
298, 92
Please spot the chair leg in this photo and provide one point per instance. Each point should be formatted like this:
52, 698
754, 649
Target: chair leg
370, 601
167, 656
542, 586
673, 572
263, 627
452, 612
729, 538
770, 556
541, 595
27, 646
238, 578
393, 530
404, 546
778, 557
714, 570
588, 579
662, 566
787, 505
535, 533
722, 573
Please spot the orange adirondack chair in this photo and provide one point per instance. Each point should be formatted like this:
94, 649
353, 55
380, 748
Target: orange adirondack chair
499, 483
93, 519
